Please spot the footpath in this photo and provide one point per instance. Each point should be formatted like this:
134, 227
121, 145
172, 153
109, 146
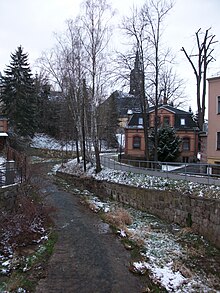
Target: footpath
87, 257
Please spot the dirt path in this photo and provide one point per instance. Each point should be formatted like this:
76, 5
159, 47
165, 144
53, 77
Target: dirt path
87, 257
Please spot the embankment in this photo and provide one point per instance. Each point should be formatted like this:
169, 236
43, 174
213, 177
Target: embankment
202, 214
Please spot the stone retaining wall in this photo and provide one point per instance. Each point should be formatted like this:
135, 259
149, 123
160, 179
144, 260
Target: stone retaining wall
202, 214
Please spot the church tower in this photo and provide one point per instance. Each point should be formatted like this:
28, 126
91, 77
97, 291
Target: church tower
136, 77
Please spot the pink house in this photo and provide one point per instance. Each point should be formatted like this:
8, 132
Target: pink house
213, 142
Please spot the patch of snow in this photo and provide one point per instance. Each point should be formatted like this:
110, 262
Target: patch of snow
43, 141
166, 167
97, 205
141, 180
167, 277
140, 267
6, 263
122, 233
162, 254
2, 160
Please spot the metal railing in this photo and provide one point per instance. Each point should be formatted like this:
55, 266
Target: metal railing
196, 172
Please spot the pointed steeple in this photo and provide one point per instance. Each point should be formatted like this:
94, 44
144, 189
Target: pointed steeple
136, 76
137, 63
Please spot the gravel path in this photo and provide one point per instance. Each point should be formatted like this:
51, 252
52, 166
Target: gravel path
87, 256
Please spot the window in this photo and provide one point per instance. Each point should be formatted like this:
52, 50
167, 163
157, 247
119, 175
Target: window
166, 121
140, 121
218, 140
218, 105
136, 142
182, 121
186, 144
158, 120
185, 160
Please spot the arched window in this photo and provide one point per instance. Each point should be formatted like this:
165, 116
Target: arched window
186, 144
136, 142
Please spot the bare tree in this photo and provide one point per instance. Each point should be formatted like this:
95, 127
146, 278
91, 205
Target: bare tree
203, 58
64, 65
145, 27
154, 13
122, 64
171, 88
77, 65
95, 19
135, 28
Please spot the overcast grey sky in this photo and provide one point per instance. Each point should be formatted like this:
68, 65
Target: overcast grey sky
31, 23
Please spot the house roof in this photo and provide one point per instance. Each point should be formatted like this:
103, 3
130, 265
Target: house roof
179, 114
123, 103
170, 109
213, 78
134, 121
3, 117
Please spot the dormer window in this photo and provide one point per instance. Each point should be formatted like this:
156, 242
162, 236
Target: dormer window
182, 121
140, 121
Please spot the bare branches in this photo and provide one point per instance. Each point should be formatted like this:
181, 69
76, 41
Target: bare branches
203, 58
189, 59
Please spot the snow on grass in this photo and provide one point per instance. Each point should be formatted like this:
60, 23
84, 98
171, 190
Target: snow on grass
127, 178
43, 141
142, 180
147, 181
97, 205
163, 256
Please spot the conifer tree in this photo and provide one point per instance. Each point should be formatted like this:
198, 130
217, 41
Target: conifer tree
168, 144
18, 95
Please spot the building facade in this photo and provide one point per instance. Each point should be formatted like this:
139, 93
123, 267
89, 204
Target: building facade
180, 120
213, 142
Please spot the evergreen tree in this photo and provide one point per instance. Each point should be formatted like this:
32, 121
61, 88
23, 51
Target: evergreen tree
47, 114
18, 95
168, 144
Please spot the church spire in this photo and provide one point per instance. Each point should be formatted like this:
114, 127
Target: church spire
137, 63
136, 76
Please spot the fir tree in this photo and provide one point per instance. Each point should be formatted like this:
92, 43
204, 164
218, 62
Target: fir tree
18, 95
168, 144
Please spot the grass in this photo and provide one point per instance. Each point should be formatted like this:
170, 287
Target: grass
47, 153
31, 268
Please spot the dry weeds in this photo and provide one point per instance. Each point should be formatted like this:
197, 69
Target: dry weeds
178, 266
118, 218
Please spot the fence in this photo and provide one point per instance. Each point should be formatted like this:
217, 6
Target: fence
196, 172
9, 174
